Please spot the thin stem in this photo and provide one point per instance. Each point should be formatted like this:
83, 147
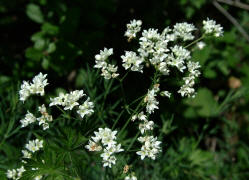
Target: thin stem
116, 121
122, 79
127, 122
133, 141
195, 41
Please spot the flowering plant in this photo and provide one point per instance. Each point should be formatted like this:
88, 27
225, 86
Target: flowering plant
163, 53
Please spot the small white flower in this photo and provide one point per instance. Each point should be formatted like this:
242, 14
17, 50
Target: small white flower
15, 174
133, 28
45, 117
86, 109
210, 27
37, 87
146, 126
107, 138
165, 93
28, 119
151, 101
184, 31
69, 101
34, 145
26, 154
93, 146
178, 57
108, 70
150, 147
39, 177
131, 60
130, 177
201, 45
187, 88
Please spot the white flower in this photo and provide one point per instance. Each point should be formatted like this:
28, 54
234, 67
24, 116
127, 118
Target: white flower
37, 87
39, 177
15, 174
165, 93
26, 154
69, 101
130, 177
210, 27
150, 147
24, 92
93, 146
146, 126
28, 119
184, 31
102, 56
187, 88
130, 59
86, 109
60, 100
109, 161
39, 82
133, 28
12, 174
109, 145
201, 45
45, 117
34, 145
151, 101
108, 70
178, 57
72, 98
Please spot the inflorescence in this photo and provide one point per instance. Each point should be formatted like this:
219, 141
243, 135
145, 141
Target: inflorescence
162, 51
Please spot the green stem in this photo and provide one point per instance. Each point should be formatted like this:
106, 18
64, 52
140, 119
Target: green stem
133, 141
195, 41
127, 122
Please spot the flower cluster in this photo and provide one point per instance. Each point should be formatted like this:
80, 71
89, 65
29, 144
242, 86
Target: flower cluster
187, 89
70, 100
15, 174
28, 119
184, 31
131, 60
36, 87
150, 147
43, 120
145, 125
105, 139
108, 70
200, 45
45, 117
130, 177
150, 99
133, 28
178, 56
86, 108
210, 27
34, 145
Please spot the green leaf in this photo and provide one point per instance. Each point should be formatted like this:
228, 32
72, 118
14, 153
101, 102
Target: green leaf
50, 29
33, 53
51, 48
40, 44
204, 103
45, 63
33, 11
209, 73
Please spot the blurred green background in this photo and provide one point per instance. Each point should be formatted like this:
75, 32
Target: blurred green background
204, 138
